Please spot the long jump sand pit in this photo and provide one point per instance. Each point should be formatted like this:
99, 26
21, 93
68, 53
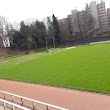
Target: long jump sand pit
67, 98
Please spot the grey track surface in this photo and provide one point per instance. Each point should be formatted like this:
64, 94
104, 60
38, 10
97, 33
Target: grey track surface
73, 100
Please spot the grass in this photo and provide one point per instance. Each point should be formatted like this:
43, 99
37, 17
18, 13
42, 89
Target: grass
5, 57
82, 68
15, 61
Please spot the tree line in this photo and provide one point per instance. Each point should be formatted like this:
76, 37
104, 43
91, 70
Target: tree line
39, 34
34, 35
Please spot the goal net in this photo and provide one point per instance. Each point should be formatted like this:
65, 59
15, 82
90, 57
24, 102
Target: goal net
53, 50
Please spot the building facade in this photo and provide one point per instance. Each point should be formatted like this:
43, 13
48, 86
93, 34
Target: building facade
70, 24
94, 12
83, 21
108, 15
94, 17
102, 15
64, 26
91, 9
75, 21
86, 22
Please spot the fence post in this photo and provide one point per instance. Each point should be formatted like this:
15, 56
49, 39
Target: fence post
47, 107
4, 95
12, 98
4, 105
13, 108
21, 102
34, 106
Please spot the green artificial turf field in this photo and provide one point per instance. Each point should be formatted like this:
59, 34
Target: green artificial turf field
83, 68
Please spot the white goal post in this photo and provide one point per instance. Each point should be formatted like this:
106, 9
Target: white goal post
53, 50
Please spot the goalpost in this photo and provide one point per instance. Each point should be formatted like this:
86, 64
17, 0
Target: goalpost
53, 50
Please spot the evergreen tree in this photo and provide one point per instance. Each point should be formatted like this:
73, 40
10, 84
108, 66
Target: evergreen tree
49, 31
56, 29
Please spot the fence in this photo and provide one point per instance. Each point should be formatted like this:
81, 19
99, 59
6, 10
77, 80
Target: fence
23, 100
14, 106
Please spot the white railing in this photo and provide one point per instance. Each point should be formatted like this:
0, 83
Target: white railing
31, 100
14, 106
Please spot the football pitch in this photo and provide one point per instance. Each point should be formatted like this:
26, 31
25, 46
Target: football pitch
82, 68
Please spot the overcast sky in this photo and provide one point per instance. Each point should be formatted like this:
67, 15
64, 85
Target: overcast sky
17, 10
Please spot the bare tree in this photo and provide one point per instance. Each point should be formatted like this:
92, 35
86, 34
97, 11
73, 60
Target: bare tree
50, 30
5, 26
46, 40
1, 25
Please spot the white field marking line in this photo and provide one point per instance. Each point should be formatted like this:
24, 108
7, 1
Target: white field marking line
9, 58
32, 59
13, 104
36, 101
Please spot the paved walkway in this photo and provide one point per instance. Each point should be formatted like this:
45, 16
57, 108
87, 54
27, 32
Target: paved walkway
73, 100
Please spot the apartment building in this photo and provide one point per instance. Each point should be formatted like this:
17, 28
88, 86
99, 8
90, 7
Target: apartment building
75, 21
108, 15
70, 24
88, 9
64, 27
92, 11
93, 17
102, 15
86, 21
83, 21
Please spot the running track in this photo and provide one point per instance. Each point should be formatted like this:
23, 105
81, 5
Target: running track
73, 100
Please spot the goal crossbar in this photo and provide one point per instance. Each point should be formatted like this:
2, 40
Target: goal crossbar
54, 50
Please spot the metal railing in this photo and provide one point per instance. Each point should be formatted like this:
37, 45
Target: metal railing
31, 100
14, 106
